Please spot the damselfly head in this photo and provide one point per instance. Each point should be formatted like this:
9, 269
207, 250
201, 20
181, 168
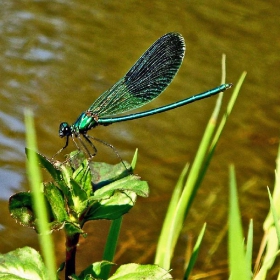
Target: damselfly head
64, 129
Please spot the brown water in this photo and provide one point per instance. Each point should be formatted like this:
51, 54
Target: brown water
57, 57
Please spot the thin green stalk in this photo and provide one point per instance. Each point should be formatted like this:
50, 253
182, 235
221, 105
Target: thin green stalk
173, 226
34, 176
249, 246
164, 250
239, 268
111, 245
195, 253
113, 236
220, 128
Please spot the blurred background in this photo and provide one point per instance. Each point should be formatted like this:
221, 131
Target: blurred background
57, 57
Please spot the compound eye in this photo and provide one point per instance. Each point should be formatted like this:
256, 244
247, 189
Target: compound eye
64, 129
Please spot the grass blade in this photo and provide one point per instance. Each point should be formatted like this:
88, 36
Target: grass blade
237, 260
34, 176
166, 241
194, 253
249, 246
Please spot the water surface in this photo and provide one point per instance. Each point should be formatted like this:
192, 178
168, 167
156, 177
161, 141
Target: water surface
57, 57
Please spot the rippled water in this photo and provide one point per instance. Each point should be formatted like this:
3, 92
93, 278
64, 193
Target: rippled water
57, 57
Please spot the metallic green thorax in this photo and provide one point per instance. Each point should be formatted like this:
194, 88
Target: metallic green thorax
85, 121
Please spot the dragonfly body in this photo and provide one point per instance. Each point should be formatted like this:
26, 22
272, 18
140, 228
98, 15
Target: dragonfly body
145, 81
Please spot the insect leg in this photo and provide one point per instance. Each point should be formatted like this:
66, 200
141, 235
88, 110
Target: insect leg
91, 144
59, 151
108, 145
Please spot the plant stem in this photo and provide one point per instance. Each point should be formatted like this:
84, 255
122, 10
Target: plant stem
71, 248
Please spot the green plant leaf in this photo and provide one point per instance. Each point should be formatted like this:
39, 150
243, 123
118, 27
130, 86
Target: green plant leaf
78, 196
56, 201
94, 270
24, 263
73, 228
86, 190
47, 164
20, 207
112, 208
104, 173
116, 199
129, 183
140, 272
82, 176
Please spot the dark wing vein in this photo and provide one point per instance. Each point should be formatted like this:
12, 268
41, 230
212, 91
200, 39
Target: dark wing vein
147, 78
